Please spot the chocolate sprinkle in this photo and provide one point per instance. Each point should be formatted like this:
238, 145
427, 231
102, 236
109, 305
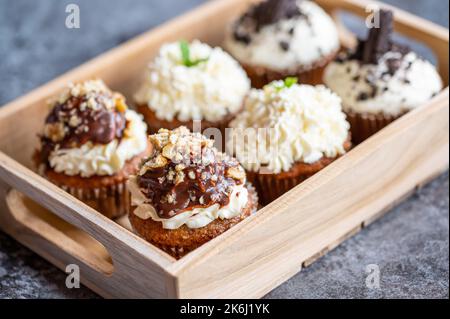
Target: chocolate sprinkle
379, 40
378, 43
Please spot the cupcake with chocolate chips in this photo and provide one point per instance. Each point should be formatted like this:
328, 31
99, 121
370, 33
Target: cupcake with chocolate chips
381, 80
287, 133
192, 81
91, 144
279, 38
187, 192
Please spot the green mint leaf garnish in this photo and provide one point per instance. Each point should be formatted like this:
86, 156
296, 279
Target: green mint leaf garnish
290, 81
186, 56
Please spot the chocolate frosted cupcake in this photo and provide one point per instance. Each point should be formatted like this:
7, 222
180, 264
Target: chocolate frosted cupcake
381, 80
187, 192
189, 82
280, 38
91, 144
287, 133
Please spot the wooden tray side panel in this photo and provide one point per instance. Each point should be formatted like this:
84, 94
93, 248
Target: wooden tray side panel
322, 211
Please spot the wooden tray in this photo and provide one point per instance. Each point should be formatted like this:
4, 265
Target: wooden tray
261, 252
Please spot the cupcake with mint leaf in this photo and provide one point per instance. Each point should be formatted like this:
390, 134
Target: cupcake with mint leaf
189, 82
286, 133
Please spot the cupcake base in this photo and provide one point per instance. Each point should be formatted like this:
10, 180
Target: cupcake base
181, 241
106, 194
312, 75
272, 186
364, 126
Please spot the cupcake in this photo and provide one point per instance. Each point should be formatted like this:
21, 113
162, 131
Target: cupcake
381, 80
279, 38
187, 192
192, 81
287, 133
91, 144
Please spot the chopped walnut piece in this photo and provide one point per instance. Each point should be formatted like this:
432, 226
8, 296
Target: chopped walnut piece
191, 175
54, 131
157, 162
74, 121
120, 105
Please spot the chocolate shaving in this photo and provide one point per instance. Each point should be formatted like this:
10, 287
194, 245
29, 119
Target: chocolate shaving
379, 40
284, 45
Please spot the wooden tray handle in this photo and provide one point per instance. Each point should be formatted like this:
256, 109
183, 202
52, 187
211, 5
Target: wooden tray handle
118, 250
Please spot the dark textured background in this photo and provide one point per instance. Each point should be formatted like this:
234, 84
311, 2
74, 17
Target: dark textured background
410, 244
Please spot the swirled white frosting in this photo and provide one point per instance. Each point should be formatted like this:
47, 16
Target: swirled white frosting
280, 127
207, 91
103, 160
313, 38
414, 83
195, 218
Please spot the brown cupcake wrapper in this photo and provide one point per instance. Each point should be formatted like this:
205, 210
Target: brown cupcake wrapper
112, 201
363, 126
270, 187
313, 75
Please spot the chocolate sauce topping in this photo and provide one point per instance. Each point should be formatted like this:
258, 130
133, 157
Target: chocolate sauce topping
203, 177
81, 119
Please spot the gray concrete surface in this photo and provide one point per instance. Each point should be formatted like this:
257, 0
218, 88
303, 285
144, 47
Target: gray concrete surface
410, 245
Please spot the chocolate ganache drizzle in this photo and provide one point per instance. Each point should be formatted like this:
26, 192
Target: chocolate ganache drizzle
88, 112
185, 172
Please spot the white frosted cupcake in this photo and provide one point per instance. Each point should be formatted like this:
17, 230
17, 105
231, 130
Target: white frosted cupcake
91, 143
381, 81
279, 38
286, 133
192, 81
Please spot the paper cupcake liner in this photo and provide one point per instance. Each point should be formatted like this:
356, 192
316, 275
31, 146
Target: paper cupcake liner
261, 76
112, 201
364, 126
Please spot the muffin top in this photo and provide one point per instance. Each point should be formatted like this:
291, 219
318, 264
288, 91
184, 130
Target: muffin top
286, 123
90, 131
381, 76
192, 81
283, 35
187, 181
